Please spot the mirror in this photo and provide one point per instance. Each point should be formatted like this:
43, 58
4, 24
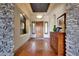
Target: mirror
22, 24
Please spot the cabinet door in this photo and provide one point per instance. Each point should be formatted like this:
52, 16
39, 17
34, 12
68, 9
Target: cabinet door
61, 49
55, 42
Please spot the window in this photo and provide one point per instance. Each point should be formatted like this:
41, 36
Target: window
46, 27
33, 27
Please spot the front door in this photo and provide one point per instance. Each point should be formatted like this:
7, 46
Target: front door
39, 29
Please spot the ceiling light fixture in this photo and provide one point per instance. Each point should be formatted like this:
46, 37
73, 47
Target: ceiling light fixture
39, 16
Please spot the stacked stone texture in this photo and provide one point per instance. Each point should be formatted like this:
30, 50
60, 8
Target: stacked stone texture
6, 29
72, 30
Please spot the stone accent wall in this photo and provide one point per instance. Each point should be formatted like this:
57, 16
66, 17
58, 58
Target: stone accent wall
72, 30
6, 29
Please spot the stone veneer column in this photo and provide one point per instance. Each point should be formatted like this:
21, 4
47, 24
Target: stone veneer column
6, 29
72, 30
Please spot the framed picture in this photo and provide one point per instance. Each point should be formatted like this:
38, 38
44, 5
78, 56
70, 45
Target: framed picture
61, 21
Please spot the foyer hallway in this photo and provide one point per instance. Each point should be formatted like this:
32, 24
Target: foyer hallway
39, 23
19, 23
36, 47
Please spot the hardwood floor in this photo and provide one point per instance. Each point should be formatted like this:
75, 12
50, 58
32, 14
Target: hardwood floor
36, 47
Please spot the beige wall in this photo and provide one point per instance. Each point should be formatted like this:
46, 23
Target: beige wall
19, 40
25, 7
55, 13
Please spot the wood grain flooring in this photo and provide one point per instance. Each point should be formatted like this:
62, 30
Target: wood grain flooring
36, 47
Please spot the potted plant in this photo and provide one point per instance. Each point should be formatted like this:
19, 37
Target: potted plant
54, 28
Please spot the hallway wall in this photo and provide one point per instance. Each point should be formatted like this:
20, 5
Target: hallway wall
20, 39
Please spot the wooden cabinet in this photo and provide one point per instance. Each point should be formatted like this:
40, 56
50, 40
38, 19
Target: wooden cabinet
57, 41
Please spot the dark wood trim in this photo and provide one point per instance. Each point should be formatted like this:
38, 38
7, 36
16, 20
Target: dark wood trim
25, 31
62, 15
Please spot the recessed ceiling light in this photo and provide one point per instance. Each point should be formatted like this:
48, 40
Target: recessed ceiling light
39, 16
